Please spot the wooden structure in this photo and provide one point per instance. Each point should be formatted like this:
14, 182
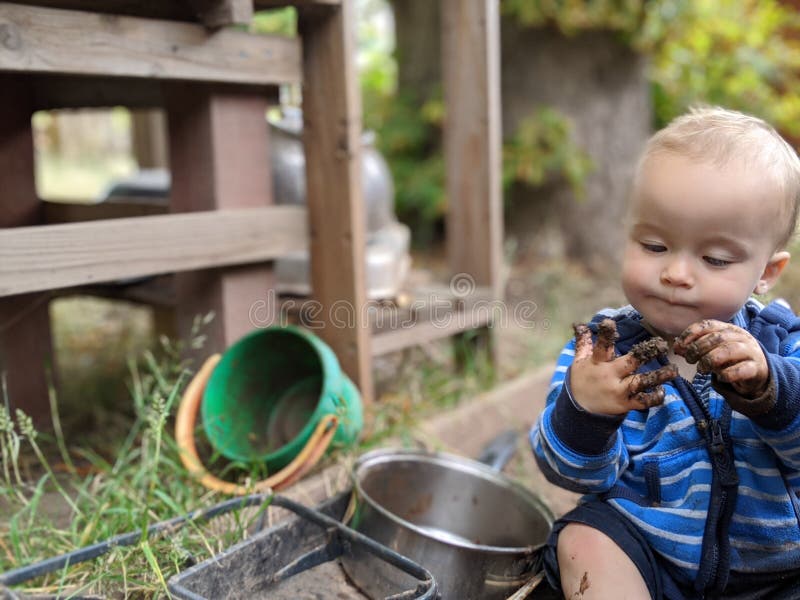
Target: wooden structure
215, 83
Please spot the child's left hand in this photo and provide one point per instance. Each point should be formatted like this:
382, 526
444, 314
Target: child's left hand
732, 355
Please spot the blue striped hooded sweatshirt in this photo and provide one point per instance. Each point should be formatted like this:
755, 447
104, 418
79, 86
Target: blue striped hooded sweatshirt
657, 466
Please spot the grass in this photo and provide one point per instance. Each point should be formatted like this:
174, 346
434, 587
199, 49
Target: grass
77, 487
88, 498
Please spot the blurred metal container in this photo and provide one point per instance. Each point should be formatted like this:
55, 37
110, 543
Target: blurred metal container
387, 254
289, 170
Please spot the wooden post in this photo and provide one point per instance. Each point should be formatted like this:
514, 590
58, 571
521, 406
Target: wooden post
25, 347
332, 140
472, 139
148, 137
473, 145
219, 157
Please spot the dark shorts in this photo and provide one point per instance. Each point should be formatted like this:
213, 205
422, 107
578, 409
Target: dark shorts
662, 580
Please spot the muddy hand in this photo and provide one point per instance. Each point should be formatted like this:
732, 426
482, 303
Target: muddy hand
736, 360
603, 383
646, 388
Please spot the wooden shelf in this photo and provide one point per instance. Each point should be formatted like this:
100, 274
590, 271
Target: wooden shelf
81, 91
178, 10
215, 84
57, 41
427, 314
46, 257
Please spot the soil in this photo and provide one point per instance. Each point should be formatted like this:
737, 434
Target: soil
649, 349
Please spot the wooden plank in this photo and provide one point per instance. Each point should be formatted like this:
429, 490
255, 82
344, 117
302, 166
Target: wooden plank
25, 346
58, 91
219, 157
219, 13
55, 256
69, 91
332, 141
149, 138
154, 9
268, 4
472, 139
46, 40
65, 212
432, 313
161, 9
425, 332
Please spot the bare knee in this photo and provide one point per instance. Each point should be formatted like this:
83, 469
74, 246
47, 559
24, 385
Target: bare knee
592, 565
577, 540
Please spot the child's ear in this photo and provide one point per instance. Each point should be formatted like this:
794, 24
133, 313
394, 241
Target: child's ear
772, 271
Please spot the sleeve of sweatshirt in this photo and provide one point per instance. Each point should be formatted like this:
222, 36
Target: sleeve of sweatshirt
780, 426
575, 449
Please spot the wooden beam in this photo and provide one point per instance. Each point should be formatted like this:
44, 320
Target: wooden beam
46, 40
162, 9
149, 138
154, 9
219, 13
66, 212
472, 139
219, 159
332, 141
25, 347
55, 256
56, 91
422, 333
70, 91
268, 4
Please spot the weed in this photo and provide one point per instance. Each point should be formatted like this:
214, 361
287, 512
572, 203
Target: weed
49, 513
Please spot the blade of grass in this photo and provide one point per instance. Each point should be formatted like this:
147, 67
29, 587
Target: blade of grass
151, 559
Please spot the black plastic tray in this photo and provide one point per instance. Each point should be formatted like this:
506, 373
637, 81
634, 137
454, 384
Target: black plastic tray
246, 570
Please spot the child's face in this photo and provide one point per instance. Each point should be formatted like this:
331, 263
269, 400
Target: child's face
700, 240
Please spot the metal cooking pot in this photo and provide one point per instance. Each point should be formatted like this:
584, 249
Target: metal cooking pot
479, 533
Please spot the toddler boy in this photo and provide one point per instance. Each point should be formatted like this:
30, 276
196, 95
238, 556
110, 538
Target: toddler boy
690, 461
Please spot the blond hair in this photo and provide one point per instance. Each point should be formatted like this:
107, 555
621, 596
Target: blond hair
723, 137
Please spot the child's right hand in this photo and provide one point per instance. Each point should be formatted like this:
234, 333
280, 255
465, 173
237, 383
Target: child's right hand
606, 384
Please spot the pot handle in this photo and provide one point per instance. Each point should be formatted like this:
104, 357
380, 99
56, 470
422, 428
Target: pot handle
184, 437
500, 450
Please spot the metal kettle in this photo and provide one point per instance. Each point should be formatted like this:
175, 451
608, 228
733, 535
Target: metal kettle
289, 174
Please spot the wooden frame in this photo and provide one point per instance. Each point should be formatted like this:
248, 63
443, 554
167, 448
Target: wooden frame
219, 146
56, 41
26, 356
332, 141
49, 257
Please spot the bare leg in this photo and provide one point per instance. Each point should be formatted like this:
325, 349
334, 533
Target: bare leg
593, 566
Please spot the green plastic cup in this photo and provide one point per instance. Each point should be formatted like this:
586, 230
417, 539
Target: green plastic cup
269, 391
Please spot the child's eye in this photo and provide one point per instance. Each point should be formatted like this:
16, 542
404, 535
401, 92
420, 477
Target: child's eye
716, 262
653, 247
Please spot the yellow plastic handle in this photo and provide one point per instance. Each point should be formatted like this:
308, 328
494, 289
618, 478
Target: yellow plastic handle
184, 436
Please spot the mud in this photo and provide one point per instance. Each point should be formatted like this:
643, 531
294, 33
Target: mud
645, 388
650, 399
606, 337
583, 336
647, 350
652, 379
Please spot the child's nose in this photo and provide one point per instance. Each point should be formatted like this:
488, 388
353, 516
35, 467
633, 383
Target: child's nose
677, 272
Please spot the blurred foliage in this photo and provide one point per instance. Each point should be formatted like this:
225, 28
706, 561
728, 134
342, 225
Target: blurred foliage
409, 138
573, 16
543, 148
742, 54
281, 21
